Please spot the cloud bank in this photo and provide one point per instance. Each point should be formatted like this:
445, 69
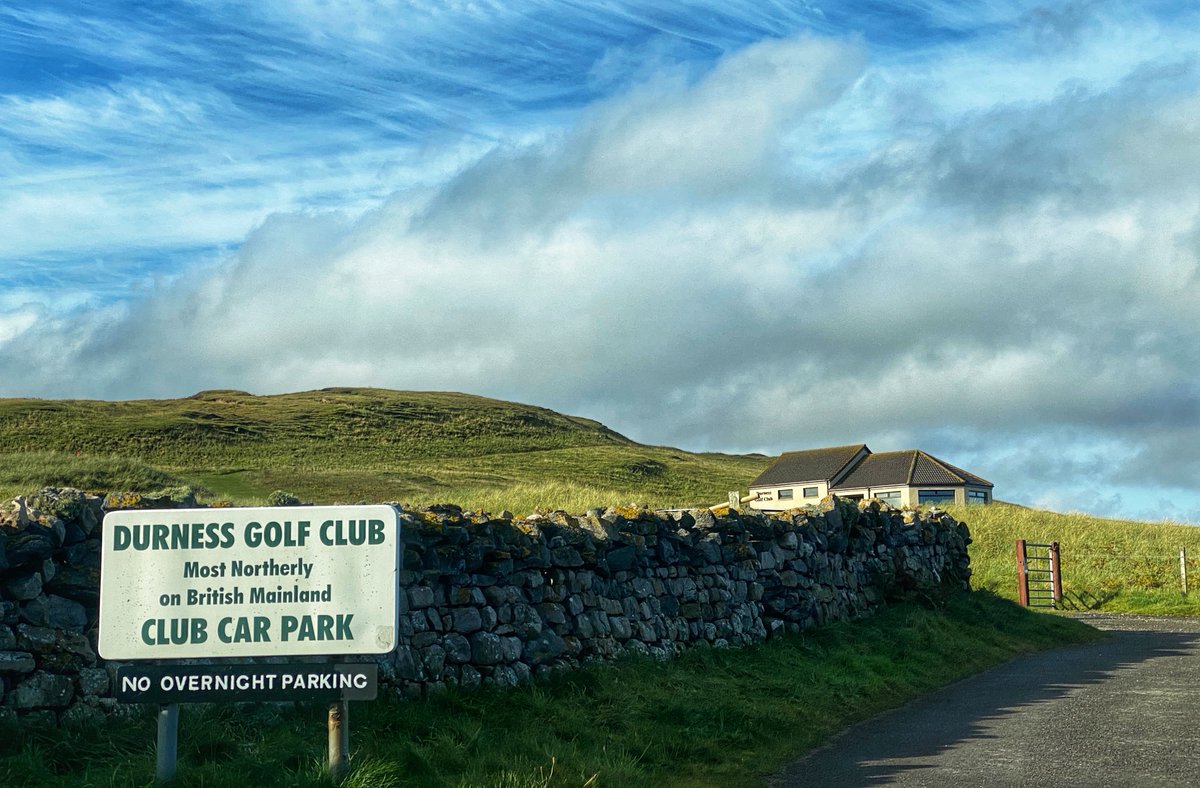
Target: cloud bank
986, 248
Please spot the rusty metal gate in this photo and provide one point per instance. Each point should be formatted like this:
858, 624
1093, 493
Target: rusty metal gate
1039, 575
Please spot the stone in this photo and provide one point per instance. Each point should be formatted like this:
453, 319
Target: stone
36, 639
467, 620
543, 648
31, 545
470, 677
553, 613
82, 715
458, 648
504, 676
623, 559
43, 690
78, 583
486, 649
24, 586
406, 665
621, 628
420, 597
93, 681
434, 661
424, 639
566, 557
65, 613
466, 595
17, 662
511, 648
35, 611
526, 621
78, 645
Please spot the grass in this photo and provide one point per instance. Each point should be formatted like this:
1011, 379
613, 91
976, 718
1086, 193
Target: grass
1138, 562
351, 445
346, 445
28, 471
711, 717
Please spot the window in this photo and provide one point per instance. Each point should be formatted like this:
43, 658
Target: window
977, 496
890, 497
785, 495
935, 496
810, 492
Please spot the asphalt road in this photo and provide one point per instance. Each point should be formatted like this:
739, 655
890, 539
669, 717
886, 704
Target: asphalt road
1121, 712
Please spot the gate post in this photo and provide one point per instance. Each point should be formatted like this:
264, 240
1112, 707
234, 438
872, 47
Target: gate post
1183, 569
1056, 592
1022, 576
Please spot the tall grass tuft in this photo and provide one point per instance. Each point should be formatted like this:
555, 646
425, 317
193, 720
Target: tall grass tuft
25, 472
1136, 561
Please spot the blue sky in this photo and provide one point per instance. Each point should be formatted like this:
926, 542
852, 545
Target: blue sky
738, 226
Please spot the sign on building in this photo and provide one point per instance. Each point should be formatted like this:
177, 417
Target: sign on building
249, 582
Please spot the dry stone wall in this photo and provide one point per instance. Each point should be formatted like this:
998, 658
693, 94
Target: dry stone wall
496, 600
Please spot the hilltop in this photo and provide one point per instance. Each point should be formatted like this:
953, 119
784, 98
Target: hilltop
346, 444
360, 426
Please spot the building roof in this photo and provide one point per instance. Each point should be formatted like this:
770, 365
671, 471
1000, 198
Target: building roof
809, 466
911, 467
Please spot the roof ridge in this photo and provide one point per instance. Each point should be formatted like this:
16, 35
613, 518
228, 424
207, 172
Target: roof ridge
824, 448
912, 465
948, 469
967, 476
849, 466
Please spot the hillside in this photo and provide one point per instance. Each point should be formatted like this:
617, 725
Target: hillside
360, 426
348, 444
1133, 566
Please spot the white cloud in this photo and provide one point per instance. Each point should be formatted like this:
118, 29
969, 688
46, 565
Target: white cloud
721, 261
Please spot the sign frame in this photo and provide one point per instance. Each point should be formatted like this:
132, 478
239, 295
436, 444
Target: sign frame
237, 582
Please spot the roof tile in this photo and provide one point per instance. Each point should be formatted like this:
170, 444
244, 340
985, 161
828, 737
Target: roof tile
808, 466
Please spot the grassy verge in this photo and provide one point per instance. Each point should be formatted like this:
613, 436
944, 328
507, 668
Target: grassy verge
1138, 562
573, 478
709, 718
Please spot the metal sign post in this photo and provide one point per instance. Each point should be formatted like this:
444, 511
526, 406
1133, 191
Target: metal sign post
167, 751
339, 740
187, 584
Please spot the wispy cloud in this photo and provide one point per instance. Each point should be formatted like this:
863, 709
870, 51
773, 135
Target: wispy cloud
756, 228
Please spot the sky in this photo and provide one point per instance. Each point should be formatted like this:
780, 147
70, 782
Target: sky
968, 228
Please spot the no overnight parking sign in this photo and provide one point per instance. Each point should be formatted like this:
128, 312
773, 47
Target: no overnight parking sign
242, 582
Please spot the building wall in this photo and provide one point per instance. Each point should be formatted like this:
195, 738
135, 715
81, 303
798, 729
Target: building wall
909, 495
776, 504
498, 600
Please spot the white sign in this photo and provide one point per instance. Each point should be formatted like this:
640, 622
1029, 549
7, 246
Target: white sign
281, 581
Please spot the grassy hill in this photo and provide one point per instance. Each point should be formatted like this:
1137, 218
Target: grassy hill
1133, 565
347, 444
